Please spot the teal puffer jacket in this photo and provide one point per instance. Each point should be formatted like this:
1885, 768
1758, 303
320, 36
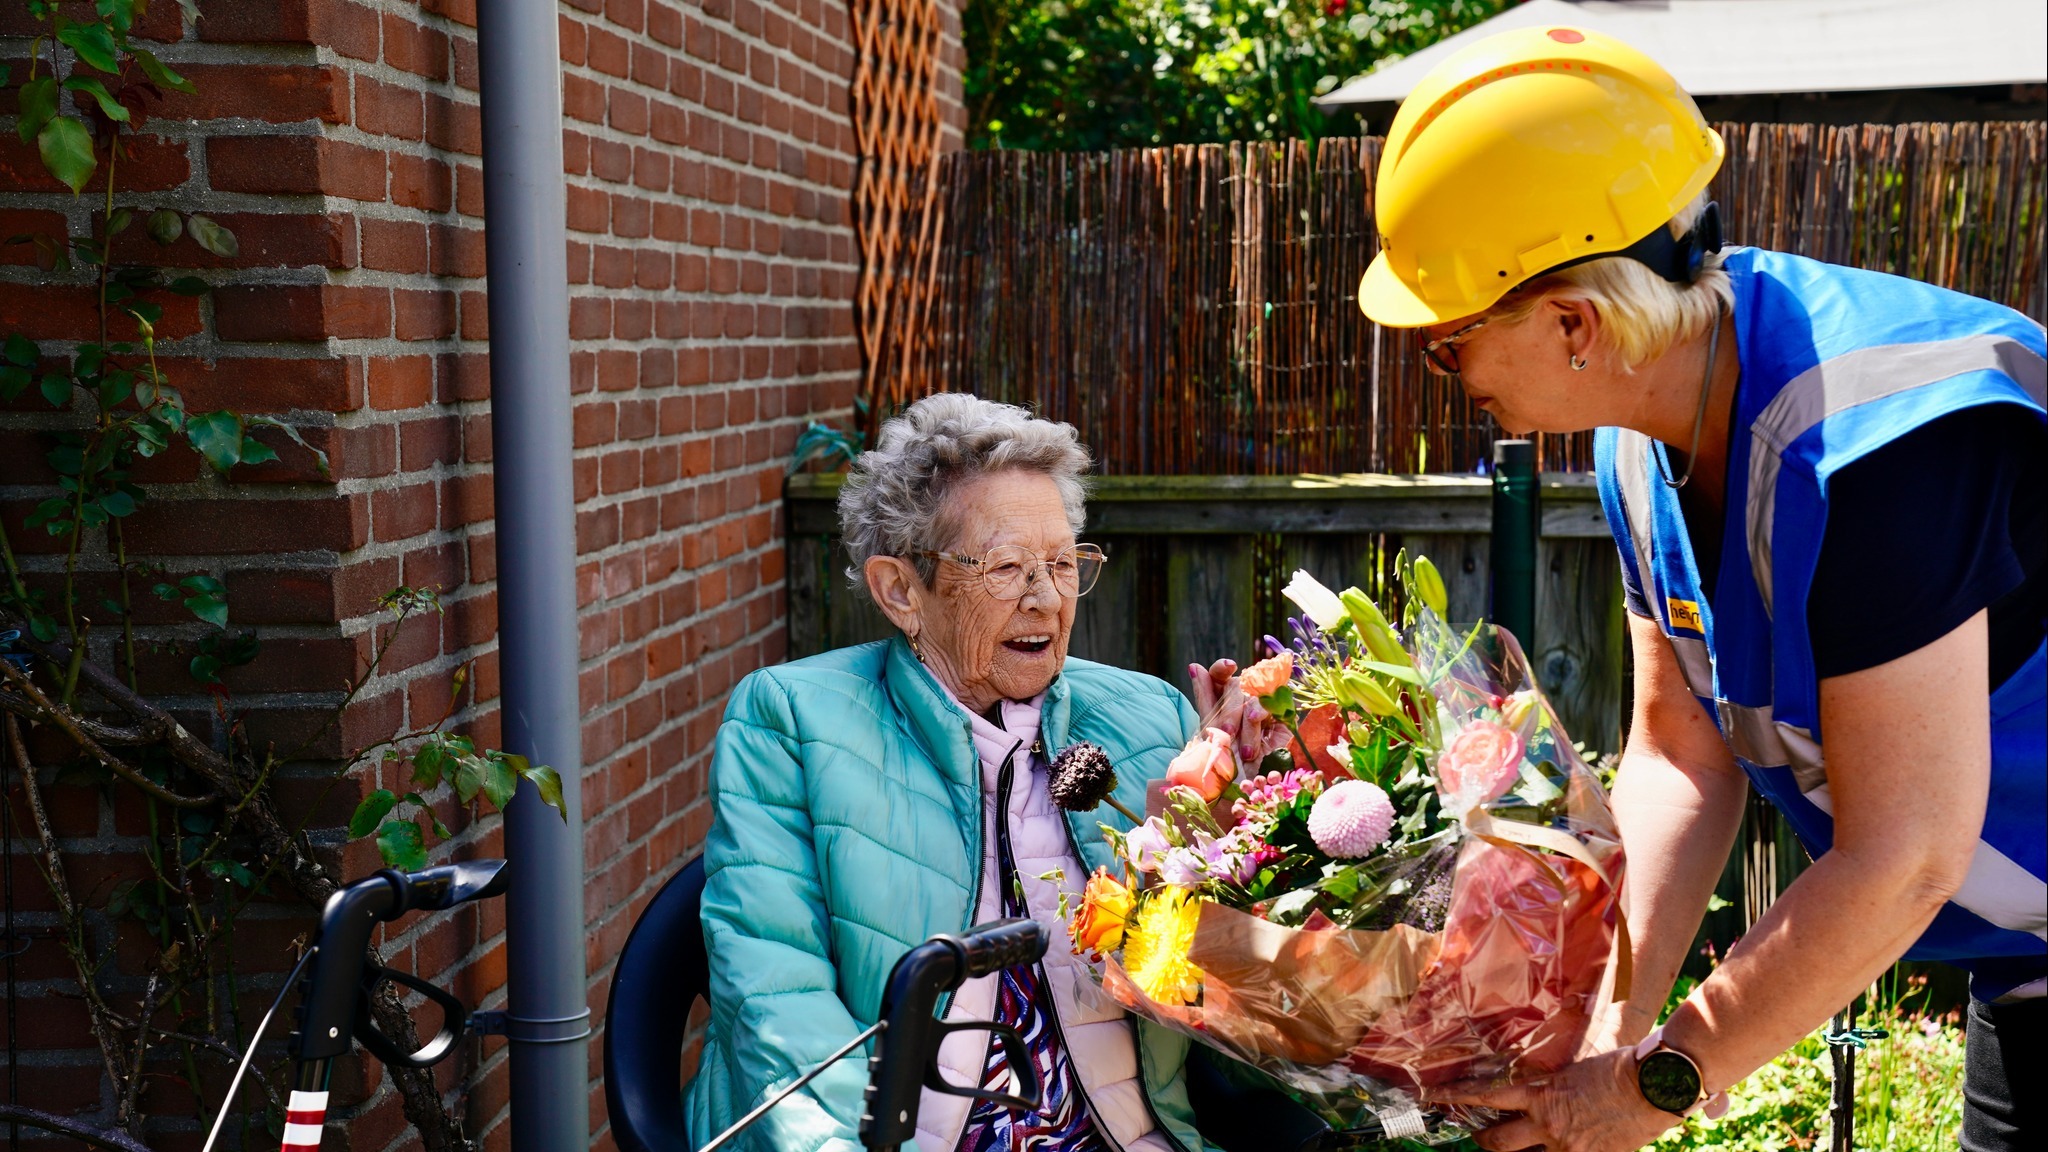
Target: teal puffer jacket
846, 828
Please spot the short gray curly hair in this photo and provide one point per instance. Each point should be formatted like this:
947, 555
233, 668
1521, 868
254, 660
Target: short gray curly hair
894, 499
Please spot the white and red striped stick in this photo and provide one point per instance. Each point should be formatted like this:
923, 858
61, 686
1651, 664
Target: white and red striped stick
303, 1121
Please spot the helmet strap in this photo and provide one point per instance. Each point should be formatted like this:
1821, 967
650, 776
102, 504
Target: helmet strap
1677, 259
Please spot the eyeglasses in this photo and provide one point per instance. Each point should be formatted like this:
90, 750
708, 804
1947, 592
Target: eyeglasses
1443, 353
1009, 571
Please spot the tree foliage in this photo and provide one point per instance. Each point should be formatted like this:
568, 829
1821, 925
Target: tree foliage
1092, 74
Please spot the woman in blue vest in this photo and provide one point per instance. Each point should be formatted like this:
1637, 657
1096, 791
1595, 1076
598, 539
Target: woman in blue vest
1828, 490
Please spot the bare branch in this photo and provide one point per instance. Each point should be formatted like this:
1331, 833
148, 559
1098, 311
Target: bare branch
63, 719
76, 1129
60, 891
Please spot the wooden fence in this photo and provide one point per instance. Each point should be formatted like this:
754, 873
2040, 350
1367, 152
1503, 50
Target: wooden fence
1196, 564
1191, 309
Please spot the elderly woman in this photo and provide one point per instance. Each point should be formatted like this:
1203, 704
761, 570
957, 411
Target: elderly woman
866, 799
1827, 488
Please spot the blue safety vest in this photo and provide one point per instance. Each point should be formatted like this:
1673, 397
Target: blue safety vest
1836, 363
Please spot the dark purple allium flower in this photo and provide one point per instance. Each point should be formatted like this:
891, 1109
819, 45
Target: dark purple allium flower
1081, 777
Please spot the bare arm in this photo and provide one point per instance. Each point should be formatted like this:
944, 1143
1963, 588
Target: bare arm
1908, 767
1897, 736
1678, 800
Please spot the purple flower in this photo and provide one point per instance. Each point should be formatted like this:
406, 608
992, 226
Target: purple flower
1183, 867
1145, 844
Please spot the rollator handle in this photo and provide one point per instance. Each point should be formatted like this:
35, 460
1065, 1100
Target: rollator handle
327, 1016
904, 1060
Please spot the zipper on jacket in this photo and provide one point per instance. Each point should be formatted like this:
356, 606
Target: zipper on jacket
1137, 1040
1006, 864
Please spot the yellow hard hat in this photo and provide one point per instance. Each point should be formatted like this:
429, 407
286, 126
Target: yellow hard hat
1529, 150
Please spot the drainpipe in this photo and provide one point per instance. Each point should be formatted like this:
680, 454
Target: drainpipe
547, 1017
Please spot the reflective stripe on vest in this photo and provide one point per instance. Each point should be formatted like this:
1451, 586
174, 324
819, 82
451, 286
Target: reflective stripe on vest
1855, 378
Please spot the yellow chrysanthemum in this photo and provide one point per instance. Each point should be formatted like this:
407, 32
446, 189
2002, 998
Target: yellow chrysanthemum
1156, 947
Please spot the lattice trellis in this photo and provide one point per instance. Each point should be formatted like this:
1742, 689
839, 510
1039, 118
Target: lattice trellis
896, 128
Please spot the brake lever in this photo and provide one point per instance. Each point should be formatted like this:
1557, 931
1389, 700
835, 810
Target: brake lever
454, 1020
1017, 1054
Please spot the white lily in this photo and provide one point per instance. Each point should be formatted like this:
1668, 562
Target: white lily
1318, 602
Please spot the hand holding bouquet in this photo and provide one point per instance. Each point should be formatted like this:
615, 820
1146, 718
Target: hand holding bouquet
1381, 867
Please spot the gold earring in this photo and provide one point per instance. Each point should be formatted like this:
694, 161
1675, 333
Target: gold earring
1578, 365
916, 649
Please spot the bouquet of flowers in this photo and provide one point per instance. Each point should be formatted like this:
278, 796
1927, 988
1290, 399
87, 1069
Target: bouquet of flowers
1414, 883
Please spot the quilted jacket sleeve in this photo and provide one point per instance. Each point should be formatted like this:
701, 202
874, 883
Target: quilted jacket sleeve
774, 992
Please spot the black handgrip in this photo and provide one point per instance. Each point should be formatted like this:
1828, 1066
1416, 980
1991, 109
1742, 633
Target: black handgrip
435, 889
1001, 944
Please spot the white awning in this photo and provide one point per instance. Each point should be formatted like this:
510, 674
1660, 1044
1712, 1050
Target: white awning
1731, 47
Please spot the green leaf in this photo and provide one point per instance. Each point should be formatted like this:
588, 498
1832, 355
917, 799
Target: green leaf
206, 598
549, 782
440, 829
1391, 671
13, 381
213, 237
94, 44
159, 74
319, 457
116, 387
206, 669
428, 763
42, 626
374, 808
66, 460
20, 350
38, 104
117, 504
469, 778
402, 846
66, 148
500, 782
57, 390
255, 451
121, 13
109, 106
217, 436
164, 226
189, 286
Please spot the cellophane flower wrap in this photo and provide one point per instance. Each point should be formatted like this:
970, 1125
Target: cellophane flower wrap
1421, 889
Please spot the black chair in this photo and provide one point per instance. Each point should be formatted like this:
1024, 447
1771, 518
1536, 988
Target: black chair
660, 973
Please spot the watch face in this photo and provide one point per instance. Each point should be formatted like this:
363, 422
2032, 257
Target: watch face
1669, 1081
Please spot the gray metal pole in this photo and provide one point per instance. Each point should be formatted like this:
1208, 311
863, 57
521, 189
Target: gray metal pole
548, 1020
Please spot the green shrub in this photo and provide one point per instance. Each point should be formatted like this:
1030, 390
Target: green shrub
1909, 1087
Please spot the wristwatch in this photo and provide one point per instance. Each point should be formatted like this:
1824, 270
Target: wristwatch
1670, 1080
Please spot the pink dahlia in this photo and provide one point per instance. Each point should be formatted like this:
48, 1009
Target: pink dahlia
1350, 819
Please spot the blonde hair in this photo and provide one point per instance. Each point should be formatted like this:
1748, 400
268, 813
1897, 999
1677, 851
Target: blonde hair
1641, 314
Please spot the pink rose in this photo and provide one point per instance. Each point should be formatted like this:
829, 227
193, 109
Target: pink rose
1205, 765
1481, 764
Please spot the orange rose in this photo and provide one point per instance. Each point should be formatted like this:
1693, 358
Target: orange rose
1268, 676
1098, 925
1205, 765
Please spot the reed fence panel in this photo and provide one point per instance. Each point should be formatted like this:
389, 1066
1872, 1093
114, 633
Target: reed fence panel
1191, 309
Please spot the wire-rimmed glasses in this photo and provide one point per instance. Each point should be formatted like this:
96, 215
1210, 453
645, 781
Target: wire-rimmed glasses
1443, 352
1009, 571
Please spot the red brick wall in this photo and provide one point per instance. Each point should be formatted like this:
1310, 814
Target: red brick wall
709, 157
